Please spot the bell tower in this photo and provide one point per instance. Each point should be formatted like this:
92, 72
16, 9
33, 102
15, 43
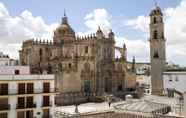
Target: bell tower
157, 50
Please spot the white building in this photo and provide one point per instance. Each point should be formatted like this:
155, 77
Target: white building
175, 80
14, 70
6, 61
145, 82
23, 95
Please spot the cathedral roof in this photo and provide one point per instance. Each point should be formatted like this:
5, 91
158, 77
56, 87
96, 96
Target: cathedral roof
111, 33
65, 27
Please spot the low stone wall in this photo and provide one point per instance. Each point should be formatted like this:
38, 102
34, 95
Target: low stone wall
64, 99
112, 114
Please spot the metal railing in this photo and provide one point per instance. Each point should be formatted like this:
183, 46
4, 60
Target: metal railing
28, 105
34, 91
5, 107
47, 104
4, 92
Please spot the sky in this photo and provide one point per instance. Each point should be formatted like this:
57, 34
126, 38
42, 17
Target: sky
129, 19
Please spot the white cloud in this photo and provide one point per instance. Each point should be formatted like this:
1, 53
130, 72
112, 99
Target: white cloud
138, 48
140, 23
14, 30
99, 17
175, 31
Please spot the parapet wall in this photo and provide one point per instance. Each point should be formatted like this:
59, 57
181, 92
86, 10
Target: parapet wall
111, 114
38, 42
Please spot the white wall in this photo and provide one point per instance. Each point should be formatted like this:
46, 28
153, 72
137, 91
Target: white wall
38, 98
10, 70
175, 80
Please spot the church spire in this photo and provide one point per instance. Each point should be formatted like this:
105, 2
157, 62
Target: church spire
64, 13
133, 64
99, 33
64, 18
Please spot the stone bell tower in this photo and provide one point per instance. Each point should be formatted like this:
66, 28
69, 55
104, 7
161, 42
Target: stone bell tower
157, 50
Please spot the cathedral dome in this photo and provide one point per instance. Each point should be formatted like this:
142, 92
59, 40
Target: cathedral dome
65, 29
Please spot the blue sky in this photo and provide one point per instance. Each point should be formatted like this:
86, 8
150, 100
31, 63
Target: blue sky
52, 10
127, 18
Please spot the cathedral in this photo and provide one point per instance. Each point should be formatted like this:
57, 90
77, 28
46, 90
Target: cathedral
80, 64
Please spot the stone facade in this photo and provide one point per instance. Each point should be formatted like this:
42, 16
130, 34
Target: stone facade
157, 50
81, 64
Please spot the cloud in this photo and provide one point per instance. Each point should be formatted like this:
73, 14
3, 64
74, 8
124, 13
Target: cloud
139, 23
138, 48
14, 30
98, 17
175, 31
101, 17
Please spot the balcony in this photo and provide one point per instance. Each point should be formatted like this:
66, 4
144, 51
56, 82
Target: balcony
20, 106
47, 104
4, 107
30, 91
31, 105
4, 92
46, 90
35, 91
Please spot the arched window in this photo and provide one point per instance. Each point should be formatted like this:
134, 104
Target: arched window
69, 65
87, 67
155, 20
86, 49
156, 55
155, 34
40, 54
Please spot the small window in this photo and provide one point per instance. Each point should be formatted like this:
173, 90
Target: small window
155, 35
17, 72
69, 65
156, 55
40, 54
155, 20
86, 49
